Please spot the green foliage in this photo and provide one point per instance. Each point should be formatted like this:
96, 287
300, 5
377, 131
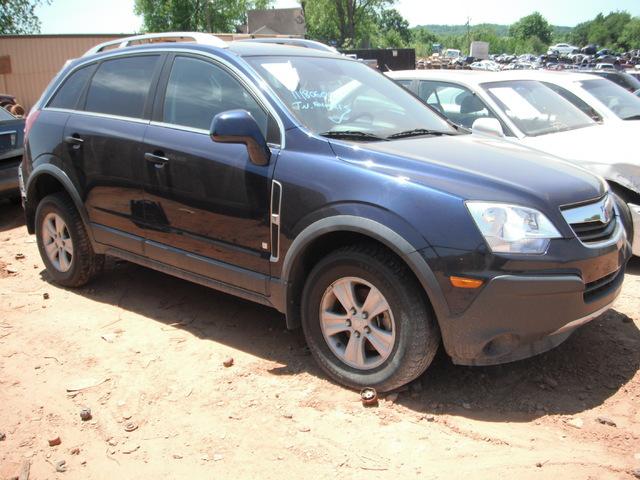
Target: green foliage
630, 36
347, 23
18, 17
195, 15
532, 26
393, 25
617, 30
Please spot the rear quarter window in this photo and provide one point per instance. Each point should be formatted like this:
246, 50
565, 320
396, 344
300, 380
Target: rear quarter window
69, 93
121, 86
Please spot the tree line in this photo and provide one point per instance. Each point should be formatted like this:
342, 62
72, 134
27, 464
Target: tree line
360, 24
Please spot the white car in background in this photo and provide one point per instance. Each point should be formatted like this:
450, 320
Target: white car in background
601, 99
528, 112
562, 49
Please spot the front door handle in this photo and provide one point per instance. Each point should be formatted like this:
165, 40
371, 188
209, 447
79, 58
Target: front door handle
159, 161
74, 140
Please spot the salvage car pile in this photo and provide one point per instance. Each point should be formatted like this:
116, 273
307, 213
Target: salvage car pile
558, 57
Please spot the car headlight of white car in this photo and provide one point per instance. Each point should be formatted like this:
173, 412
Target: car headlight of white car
512, 228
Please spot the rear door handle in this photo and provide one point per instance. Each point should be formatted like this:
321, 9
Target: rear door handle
74, 140
158, 160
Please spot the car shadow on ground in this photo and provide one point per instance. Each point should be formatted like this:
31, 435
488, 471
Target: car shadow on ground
11, 215
594, 363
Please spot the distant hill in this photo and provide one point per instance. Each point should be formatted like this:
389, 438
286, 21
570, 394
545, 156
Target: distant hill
501, 30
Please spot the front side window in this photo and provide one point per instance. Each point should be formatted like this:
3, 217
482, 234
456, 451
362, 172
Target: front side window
69, 94
536, 109
458, 103
334, 95
198, 90
120, 87
620, 101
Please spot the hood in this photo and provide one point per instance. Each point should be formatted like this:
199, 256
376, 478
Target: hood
599, 148
479, 168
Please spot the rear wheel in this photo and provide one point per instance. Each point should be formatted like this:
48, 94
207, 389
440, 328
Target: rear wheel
63, 242
366, 319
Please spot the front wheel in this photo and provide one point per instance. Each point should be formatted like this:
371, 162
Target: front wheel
366, 319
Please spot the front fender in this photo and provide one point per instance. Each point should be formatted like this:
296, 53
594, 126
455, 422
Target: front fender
413, 258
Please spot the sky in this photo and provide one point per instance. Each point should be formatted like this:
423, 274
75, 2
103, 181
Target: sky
116, 16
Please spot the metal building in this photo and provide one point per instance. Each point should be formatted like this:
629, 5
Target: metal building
29, 62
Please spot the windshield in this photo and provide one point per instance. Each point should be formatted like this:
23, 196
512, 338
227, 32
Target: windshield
332, 95
536, 109
621, 102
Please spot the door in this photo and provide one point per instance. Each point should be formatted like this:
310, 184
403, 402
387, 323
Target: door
208, 205
104, 145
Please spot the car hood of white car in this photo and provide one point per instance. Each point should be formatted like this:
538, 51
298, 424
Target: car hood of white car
602, 149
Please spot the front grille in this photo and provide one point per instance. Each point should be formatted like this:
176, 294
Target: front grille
593, 223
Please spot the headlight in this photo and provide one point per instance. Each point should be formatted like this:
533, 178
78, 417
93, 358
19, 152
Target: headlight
511, 228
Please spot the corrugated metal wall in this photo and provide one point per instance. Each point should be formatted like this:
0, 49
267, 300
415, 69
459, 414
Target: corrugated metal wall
35, 59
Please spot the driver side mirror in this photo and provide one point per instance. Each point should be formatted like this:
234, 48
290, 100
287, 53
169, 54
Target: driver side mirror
488, 126
239, 126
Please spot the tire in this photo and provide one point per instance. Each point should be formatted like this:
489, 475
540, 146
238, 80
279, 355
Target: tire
409, 319
83, 263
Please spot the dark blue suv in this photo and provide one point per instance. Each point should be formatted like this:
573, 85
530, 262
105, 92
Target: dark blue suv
308, 182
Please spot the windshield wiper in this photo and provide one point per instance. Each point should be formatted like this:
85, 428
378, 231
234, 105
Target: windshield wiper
417, 132
352, 135
632, 117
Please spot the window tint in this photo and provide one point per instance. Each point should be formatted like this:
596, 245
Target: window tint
120, 86
198, 90
68, 95
577, 101
456, 102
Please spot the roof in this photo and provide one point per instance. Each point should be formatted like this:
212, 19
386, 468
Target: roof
552, 75
472, 77
475, 77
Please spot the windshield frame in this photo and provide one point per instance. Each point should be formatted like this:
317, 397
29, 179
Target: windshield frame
256, 62
501, 107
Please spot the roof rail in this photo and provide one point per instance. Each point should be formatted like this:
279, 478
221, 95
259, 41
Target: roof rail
196, 37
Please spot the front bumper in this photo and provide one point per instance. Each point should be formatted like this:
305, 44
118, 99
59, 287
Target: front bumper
529, 307
635, 217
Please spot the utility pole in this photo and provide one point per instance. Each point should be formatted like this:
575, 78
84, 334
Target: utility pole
469, 34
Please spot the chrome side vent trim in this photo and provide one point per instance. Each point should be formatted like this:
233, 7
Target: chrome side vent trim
276, 203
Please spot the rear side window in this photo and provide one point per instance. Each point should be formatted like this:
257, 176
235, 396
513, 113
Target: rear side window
68, 95
198, 90
120, 86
